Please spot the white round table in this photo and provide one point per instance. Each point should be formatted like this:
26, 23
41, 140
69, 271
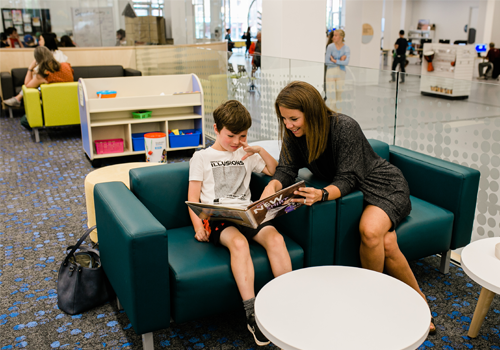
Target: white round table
339, 307
482, 266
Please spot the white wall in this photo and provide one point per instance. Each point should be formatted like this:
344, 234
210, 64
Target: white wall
294, 29
449, 16
357, 13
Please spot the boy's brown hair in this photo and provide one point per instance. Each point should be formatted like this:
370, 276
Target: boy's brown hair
233, 116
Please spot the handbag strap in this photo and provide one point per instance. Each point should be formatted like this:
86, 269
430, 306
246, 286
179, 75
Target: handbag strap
77, 245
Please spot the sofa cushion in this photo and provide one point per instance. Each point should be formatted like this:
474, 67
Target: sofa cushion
97, 72
426, 231
198, 268
18, 76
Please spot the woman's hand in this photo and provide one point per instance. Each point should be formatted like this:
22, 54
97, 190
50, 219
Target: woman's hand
201, 234
311, 195
251, 150
333, 59
32, 65
343, 58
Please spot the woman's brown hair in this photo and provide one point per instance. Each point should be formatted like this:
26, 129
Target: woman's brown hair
304, 97
46, 61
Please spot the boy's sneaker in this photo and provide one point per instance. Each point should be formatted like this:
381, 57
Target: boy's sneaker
12, 102
260, 339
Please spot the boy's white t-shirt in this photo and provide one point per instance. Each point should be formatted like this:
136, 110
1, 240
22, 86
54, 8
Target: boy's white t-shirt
225, 177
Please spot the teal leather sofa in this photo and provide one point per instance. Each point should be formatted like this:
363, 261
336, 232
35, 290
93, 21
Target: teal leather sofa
158, 269
443, 197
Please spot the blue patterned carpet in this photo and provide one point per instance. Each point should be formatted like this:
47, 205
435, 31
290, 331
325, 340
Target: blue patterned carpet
42, 210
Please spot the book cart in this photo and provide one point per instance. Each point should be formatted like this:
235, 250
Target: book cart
453, 71
175, 102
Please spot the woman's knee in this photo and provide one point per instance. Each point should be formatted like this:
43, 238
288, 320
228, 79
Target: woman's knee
370, 237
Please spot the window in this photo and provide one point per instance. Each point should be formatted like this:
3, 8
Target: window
148, 7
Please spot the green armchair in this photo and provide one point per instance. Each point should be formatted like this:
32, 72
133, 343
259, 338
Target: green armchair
443, 198
158, 269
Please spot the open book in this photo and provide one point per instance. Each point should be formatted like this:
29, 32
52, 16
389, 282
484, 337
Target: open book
255, 213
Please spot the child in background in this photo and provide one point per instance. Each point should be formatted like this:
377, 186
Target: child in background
221, 174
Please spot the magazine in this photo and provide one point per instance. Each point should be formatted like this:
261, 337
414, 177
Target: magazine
255, 213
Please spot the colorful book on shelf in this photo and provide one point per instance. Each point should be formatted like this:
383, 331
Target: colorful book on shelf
254, 214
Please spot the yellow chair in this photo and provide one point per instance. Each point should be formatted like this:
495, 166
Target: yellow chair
59, 102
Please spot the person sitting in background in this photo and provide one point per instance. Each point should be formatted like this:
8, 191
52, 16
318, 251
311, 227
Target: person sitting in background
3, 40
49, 71
49, 41
66, 41
29, 41
120, 38
13, 38
491, 56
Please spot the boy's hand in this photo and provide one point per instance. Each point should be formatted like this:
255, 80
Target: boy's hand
251, 150
201, 234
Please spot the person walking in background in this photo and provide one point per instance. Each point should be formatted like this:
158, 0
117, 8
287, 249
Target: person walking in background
13, 38
400, 57
491, 56
336, 58
248, 41
256, 54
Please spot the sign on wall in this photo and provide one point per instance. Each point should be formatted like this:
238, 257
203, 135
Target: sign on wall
367, 33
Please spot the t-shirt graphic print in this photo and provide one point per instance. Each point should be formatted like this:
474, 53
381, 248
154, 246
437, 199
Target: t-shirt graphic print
225, 177
229, 179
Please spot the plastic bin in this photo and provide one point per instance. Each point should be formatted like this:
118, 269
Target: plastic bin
109, 146
141, 114
138, 141
190, 140
106, 94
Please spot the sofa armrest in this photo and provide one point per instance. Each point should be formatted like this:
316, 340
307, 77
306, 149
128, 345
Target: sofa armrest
134, 254
313, 228
448, 185
32, 107
130, 72
60, 104
7, 85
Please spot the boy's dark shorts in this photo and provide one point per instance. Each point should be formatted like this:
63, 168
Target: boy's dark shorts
217, 226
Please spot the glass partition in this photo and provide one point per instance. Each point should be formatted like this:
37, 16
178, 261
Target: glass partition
459, 121
452, 119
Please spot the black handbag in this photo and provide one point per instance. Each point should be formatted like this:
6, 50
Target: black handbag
82, 283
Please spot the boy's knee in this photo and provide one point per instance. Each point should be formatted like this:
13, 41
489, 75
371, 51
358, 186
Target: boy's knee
240, 244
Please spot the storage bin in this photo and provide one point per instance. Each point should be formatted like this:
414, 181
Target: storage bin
106, 94
191, 140
141, 114
138, 141
109, 146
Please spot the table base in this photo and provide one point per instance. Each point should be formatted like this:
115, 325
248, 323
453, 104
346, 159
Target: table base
482, 307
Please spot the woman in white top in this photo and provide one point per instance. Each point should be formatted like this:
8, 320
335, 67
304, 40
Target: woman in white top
48, 40
336, 59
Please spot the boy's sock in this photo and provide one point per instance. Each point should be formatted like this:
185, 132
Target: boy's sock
248, 305
259, 338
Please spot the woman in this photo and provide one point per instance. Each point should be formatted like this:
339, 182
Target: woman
333, 147
49, 71
66, 41
336, 58
49, 41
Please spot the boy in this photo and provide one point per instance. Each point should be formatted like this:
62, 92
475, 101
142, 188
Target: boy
221, 174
